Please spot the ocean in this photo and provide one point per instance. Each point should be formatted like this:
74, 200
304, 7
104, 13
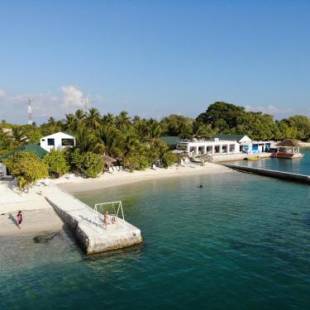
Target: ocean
239, 242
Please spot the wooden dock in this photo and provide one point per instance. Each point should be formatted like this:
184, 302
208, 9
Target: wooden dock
88, 226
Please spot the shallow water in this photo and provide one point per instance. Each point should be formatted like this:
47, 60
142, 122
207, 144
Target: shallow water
298, 165
240, 242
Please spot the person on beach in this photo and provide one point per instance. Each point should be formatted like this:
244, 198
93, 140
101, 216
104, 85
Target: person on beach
106, 218
19, 218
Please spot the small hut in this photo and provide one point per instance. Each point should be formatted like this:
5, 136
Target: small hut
109, 161
289, 143
288, 148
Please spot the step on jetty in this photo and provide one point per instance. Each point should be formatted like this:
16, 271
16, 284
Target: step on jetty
88, 224
288, 176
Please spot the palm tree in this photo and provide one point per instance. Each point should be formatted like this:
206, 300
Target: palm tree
93, 119
80, 115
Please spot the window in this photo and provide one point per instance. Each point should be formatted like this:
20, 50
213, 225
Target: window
67, 142
231, 148
50, 141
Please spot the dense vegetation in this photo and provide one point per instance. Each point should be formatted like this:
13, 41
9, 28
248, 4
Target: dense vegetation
135, 142
27, 168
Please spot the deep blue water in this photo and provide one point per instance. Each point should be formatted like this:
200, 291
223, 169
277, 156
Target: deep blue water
300, 165
240, 242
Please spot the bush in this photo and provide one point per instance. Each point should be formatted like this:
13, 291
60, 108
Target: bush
27, 168
57, 163
169, 159
88, 164
136, 162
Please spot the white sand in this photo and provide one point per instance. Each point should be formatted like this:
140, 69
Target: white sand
39, 216
34, 222
77, 184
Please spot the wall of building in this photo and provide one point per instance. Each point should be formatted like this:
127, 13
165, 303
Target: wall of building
58, 142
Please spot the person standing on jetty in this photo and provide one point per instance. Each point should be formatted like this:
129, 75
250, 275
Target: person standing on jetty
19, 218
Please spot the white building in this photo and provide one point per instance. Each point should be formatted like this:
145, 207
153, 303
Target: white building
223, 144
57, 141
211, 147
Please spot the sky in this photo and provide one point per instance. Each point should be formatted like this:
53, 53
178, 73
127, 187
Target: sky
153, 57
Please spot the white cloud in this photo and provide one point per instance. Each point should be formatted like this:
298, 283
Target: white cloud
2, 93
270, 109
72, 97
13, 107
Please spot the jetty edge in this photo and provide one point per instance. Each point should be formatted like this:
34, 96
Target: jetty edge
287, 176
87, 224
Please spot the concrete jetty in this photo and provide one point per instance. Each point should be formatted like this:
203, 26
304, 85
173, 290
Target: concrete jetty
288, 176
87, 224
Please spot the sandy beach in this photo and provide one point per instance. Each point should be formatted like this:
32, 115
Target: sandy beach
35, 222
304, 144
75, 184
40, 217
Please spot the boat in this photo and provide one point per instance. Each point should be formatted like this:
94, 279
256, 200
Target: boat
287, 149
252, 158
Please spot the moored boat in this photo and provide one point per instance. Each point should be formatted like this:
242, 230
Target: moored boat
288, 149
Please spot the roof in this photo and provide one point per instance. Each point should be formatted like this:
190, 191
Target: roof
58, 134
109, 160
231, 137
30, 148
289, 142
171, 140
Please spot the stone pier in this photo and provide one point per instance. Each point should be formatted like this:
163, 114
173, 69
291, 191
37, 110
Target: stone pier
287, 176
87, 224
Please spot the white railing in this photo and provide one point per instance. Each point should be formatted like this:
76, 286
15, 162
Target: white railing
117, 209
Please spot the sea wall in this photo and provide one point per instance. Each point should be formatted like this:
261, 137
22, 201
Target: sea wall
218, 158
287, 176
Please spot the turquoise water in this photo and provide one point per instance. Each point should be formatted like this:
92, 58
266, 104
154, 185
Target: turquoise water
300, 165
240, 242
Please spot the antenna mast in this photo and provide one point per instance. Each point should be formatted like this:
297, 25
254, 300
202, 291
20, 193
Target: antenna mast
87, 103
29, 111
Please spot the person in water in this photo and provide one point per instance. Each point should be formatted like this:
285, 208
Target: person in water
19, 218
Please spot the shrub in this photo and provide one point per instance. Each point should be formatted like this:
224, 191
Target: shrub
27, 168
136, 162
57, 163
169, 159
88, 164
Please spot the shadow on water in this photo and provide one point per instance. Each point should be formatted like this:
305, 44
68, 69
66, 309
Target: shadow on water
133, 252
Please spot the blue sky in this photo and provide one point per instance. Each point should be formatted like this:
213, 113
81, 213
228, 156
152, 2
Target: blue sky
153, 58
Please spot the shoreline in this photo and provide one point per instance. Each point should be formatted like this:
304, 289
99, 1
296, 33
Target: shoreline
35, 222
39, 215
78, 185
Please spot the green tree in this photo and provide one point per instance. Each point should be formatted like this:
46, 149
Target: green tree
87, 164
222, 116
169, 159
27, 168
57, 163
302, 125
177, 125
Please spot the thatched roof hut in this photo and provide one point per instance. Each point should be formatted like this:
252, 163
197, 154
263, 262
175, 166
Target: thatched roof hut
289, 143
109, 161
